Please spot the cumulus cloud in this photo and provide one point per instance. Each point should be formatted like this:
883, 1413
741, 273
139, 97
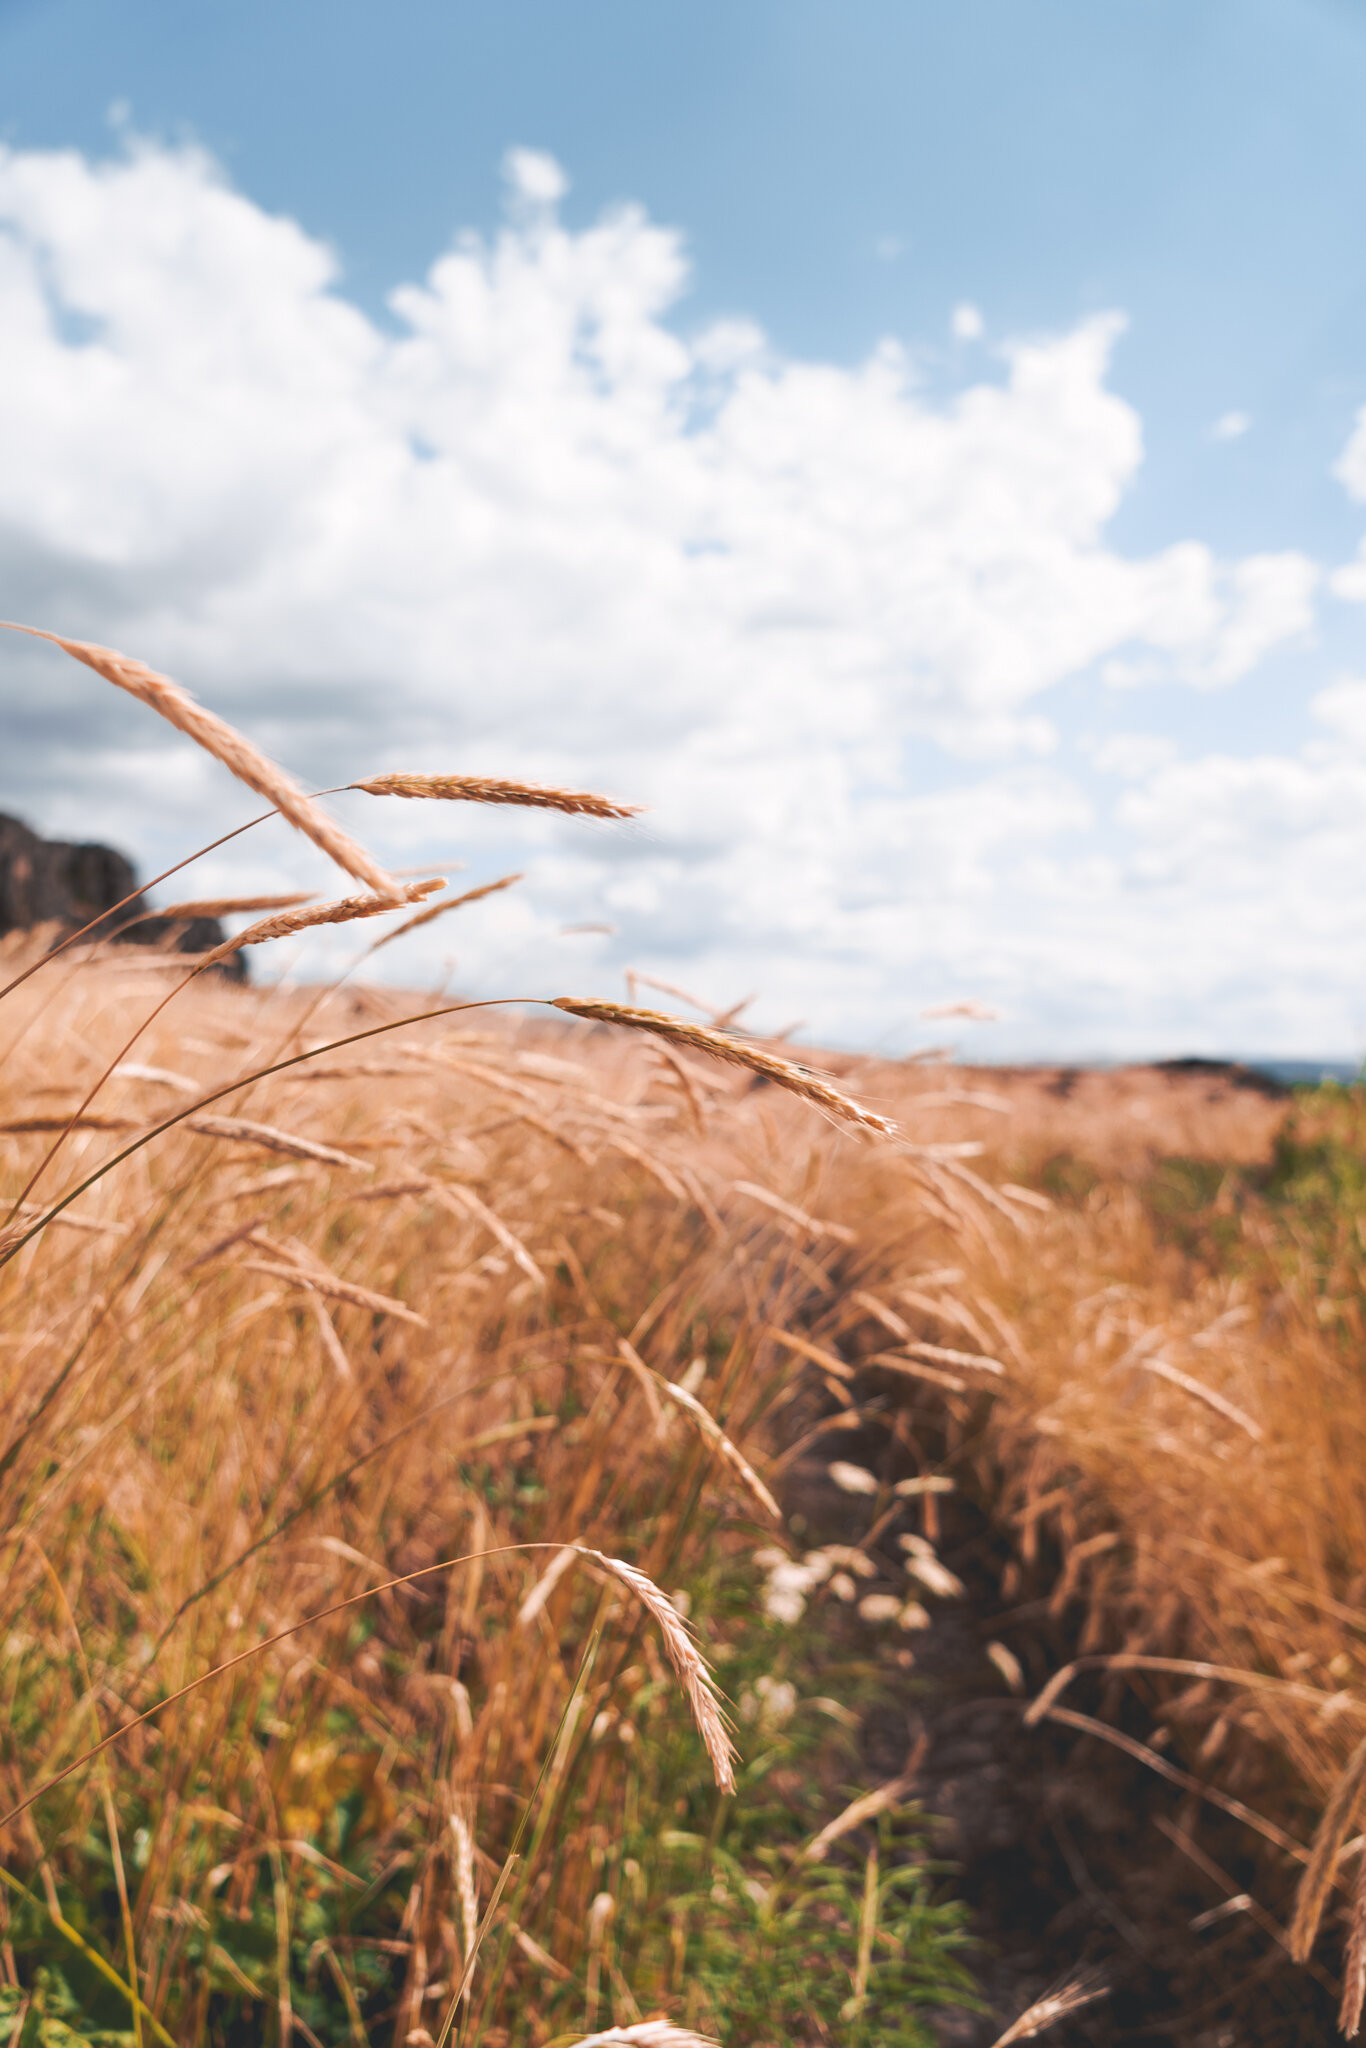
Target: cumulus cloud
1133, 755
814, 616
1350, 470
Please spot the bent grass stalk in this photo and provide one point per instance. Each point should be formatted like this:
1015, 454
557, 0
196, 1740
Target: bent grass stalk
1235, 1559
237, 753
482, 789
699, 1688
736, 1052
435, 910
795, 1079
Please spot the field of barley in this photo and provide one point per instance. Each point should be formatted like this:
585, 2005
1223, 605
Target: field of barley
524, 1523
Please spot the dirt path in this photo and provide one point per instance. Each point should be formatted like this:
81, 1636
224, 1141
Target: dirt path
1067, 1852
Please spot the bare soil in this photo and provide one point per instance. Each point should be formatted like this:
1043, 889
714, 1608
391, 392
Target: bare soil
1069, 1853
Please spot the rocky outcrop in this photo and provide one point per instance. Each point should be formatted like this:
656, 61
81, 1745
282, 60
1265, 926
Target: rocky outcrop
57, 881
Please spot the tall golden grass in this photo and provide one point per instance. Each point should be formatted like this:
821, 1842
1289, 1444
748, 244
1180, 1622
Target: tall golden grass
1176, 1446
351, 1484
452, 1332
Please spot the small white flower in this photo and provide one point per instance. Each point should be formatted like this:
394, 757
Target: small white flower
877, 1607
789, 1582
856, 1561
782, 1604
843, 1587
852, 1478
935, 1577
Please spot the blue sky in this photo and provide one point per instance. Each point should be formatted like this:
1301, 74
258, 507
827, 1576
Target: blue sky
837, 177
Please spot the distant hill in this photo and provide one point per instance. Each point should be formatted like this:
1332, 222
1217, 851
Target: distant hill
72, 884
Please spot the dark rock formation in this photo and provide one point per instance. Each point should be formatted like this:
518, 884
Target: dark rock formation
53, 881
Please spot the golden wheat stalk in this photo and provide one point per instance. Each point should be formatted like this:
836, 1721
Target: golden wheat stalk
1164, 1370
729, 1450
343, 910
698, 1684
541, 1957
456, 1196
737, 1052
545, 1585
913, 1369
88, 1224
465, 1884
337, 1290
814, 1226
247, 1132
1181, 1667
237, 754
865, 1808
1354, 1962
435, 910
1321, 1869
1083, 1989
482, 789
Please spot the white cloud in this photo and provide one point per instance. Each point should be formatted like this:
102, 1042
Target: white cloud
1342, 708
1349, 582
531, 528
534, 176
967, 323
1133, 755
1350, 468
1231, 426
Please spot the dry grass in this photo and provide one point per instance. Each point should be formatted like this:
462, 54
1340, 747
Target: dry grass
274, 1592
237, 753
208, 1444
483, 789
242, 1391
1170, 1267
528, 1289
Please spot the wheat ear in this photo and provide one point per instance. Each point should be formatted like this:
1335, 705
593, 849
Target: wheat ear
175, 704
466, 1884
738, 1052
1317, 1881
247, 1132
696, 1680
483, 789
435, 910
344, 910
1354, 1962
728, 1449
1052, 2007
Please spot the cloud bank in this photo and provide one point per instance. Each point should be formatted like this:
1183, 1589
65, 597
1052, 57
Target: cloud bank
818, 617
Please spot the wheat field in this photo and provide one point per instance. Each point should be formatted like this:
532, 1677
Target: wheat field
404, 1639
